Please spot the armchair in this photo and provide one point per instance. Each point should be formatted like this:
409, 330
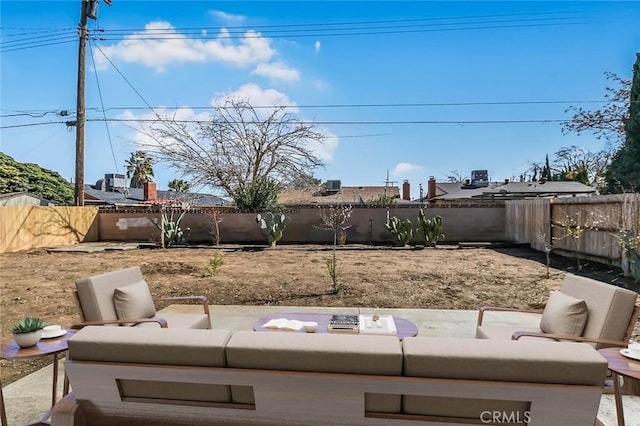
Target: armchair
583, 310
122, 297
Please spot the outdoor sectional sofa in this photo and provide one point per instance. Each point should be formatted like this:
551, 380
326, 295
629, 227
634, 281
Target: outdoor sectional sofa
165, 376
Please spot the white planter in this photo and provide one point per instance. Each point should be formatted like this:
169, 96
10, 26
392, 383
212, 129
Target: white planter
26, 340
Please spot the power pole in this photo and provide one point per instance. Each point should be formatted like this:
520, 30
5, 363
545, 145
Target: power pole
88, 9
80, 113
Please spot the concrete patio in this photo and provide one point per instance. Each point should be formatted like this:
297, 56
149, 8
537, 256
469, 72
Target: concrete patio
27, 399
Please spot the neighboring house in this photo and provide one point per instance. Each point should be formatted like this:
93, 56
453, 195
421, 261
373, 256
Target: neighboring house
113, 191
332, 192
484, 191
23, 199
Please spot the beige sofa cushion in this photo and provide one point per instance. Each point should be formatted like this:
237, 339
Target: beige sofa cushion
504, 360
564, 314
494, 360
609, 307
202, 348
95, 293
133, 301
319, 352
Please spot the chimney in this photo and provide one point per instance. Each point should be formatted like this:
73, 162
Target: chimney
406, 191
431, 187
150, 191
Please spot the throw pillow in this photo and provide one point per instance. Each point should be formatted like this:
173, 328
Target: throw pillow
564, 315
134, 301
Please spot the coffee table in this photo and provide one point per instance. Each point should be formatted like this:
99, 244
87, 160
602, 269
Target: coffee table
404, 327
55, 346
620, 365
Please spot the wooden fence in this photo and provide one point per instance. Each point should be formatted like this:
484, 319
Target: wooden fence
27, 227
582, 227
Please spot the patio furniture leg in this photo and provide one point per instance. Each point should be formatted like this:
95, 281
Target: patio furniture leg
55, 380
3, 414
618, 398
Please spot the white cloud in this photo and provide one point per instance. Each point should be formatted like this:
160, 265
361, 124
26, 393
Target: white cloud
325, 150
277, 71
160, 45
228, 17
402, 169
316, 46
257, 96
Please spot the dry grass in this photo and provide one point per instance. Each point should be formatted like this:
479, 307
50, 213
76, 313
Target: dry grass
39, 283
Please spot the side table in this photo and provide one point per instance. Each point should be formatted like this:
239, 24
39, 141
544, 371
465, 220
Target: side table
55, 346
620, 365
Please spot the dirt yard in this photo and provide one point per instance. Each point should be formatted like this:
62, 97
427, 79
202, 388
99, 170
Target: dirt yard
39, 283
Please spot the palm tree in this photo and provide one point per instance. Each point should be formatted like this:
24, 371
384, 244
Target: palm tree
179, 185
139, 169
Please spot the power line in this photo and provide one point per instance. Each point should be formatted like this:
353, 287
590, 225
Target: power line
128, 82
31, 124
37, 39
259, 35
377, 105
36, 45
161, 31
39, 113
383, 21
106, 124
370, 122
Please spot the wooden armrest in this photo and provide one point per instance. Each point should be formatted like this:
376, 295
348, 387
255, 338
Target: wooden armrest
518, 334
68, 412
485, 308
203, 300
161, 321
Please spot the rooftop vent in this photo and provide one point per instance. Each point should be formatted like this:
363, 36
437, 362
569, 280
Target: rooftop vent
332, 186
113, 181
480, 178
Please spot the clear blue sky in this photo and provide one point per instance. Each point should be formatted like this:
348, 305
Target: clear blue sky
348, 54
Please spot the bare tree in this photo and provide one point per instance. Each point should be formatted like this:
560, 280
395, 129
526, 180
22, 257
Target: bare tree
608, 122
238, 145
454, 176
575, 163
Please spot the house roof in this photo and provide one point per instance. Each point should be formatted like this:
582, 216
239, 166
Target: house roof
136, 196
10, 195
457, 191
345, 195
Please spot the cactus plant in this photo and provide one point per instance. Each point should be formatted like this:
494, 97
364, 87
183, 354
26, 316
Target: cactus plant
28, 325
431, 229
171, 230
402, 230
272, 225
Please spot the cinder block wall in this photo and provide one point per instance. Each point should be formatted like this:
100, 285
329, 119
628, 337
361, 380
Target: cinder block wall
461, 223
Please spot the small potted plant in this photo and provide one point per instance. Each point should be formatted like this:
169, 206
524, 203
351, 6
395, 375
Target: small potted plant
28, 331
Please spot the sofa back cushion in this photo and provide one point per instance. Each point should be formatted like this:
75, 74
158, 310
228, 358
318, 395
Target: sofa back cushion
318, 352
564, 315
495, 360
95, 294
156, 346
609, 307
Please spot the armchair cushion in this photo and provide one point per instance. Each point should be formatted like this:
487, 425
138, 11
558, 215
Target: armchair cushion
564, 315
133, 301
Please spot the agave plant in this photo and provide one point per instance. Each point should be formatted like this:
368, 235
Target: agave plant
28, 325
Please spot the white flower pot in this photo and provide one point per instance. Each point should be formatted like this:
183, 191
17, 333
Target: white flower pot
26, 340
